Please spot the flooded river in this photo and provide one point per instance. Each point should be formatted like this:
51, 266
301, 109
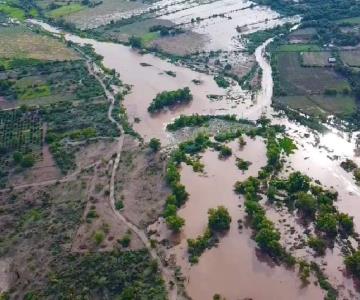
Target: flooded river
234, 269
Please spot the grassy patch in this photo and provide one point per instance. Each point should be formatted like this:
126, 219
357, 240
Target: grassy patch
298, 48
353, 21
320, 104
66, 10
13, 12
34, 92
149, 37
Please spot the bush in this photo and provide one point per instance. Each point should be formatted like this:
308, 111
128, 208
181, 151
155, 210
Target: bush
352, 262
243, 165
306, 204
225, 152
219, 219
317, 244
327, 223
99, 237
154, 144
119, 205
125, 241
221, 82
175, 223
346, 223
27, 161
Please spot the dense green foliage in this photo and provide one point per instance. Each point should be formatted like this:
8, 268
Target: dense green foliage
197, 246
317, 244
352, 262
221, 81
169, 99
154, 144
127, 275
219, 219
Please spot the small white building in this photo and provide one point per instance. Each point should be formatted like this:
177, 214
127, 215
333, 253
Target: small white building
332, 60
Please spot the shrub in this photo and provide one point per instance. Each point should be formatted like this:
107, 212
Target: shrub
346, 223
306, 204
99, 237
352, 262
317, 244
225, 152
154, 144
119, 205
327, 223
125, 241
219, 219
175, 223
27, 161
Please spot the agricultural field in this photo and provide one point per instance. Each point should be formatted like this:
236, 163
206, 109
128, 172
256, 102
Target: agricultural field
352, 21
122, 33
65, 10
317, 105
21, 141
351, 58
316, 59
102, 12
300, 36
20, 42
298, 80
304, 81
298, 48
40, 83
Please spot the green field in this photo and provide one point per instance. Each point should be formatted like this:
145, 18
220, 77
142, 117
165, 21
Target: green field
66, 10
13, 12
298, 48
353, 21
320, 104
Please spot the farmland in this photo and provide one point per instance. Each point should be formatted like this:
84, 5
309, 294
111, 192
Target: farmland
299, 80
306, 82
351, 58
316, 59
65, 10
20, 42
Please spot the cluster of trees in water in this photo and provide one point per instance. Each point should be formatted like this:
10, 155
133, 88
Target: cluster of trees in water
169, 99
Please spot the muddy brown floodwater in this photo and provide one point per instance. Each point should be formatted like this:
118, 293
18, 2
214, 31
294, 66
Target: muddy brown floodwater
233, 269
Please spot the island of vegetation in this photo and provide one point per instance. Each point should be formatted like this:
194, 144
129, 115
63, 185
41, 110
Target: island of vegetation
170, 99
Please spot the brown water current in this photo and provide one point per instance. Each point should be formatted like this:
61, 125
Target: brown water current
234, 269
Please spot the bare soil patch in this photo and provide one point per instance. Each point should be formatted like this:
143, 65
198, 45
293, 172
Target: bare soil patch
100, 219
20, 42
181, 44
140, 183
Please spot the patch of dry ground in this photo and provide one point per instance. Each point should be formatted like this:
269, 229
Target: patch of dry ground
140, 183
99, 218
181, 44
20, 42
